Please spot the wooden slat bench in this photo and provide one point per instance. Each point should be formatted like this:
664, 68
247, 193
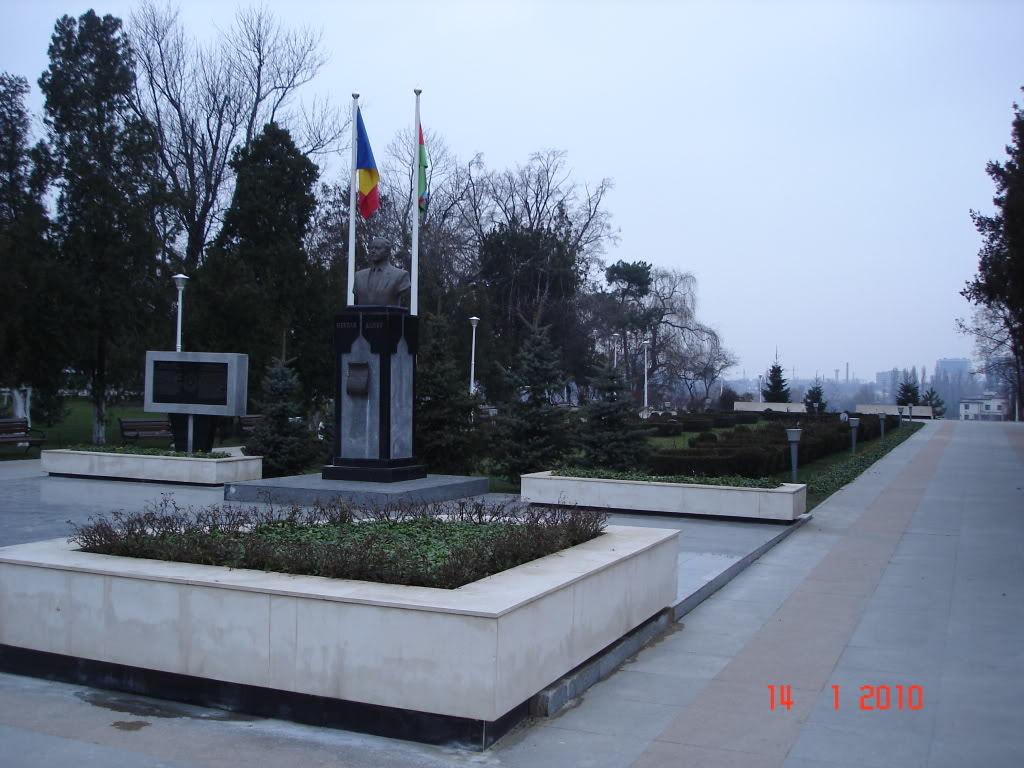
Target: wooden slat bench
248, 423
133, 429
17, 431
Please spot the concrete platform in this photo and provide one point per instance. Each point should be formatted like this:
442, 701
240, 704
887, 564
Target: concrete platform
309, 489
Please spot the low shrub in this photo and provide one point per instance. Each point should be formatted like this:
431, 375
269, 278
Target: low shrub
746, 417
706, 437
733, 480
723, 421
696, 425
443, 545
132, 450
668, 429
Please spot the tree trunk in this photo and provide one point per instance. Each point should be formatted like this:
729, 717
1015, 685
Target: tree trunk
99, 395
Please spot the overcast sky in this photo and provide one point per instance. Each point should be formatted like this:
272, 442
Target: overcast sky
813, 164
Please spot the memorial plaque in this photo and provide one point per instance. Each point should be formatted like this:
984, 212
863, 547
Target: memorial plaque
175, 381
203, 383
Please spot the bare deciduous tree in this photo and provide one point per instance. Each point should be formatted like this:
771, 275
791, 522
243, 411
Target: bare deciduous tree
205, 101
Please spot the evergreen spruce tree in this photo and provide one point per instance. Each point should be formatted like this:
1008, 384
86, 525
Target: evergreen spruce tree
908, 393
447, 436
612, 436
815, 399
937, 404
286, 446
533, 433
777, 391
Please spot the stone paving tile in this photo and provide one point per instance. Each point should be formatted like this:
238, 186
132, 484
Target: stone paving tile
667, 660
632, 685
609, 714
545, 747
868, 747
670, 755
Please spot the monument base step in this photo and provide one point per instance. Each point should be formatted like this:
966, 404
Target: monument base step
365, 474
307, 490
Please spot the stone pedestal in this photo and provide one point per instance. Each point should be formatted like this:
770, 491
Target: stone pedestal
375, 366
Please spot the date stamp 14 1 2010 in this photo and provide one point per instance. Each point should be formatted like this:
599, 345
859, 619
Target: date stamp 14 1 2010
871, 697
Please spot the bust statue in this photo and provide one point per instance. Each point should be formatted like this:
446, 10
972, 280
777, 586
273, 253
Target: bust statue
382, 283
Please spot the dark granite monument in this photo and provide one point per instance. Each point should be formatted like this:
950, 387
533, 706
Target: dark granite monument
375, 344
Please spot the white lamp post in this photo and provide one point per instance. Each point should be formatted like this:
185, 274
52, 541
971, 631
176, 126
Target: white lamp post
900, 409
615, 350
647, 344
179, 280
760, 378
472, 357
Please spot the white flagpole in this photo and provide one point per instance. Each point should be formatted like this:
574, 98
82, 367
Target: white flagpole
353, 202
414, 295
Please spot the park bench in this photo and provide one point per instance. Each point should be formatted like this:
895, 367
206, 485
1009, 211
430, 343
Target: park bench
133, 429
248, 423
17, 431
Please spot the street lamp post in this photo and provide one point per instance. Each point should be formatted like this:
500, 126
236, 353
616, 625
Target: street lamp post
854, 423
615, 350
179, 280
793, 435
647, 343
472, 358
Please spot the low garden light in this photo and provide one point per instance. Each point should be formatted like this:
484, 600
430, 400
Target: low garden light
881, 422
793, 435
900, 409
854, 423
910, 412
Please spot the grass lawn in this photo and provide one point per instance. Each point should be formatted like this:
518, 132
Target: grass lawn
77, 428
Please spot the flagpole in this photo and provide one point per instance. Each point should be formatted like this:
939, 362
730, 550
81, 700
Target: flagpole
353, 201
414, 296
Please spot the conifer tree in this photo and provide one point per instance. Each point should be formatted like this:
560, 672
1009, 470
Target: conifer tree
937, 404
105, 165
447, 435
533, 433
611, 435
777, 391
286, 446
908, 394
815, 399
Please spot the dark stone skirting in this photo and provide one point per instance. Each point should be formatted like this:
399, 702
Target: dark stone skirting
426, 727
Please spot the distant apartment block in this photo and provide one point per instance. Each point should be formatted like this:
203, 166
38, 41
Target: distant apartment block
952, 367
888, 384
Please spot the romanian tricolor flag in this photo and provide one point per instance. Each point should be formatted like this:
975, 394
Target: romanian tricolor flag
367, 170
421, 162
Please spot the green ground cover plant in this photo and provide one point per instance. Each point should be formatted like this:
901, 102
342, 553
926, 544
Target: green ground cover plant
445, 545
136, 451
732, 480
827, 476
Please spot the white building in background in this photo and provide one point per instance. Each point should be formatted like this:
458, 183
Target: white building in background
984, 408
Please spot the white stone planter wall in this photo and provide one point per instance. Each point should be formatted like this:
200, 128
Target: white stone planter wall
785, 503
168, 469
475, 652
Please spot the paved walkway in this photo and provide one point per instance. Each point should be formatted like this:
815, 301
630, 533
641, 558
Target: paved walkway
911, 576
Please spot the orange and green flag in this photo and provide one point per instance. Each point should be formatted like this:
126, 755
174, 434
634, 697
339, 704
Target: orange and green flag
369, 200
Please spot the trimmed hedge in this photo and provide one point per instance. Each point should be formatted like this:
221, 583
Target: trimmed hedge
760, 452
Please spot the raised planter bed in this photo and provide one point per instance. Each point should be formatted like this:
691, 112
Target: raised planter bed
158, 469
786, 503
442, 666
